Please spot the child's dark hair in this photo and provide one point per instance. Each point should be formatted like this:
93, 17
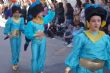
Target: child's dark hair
36, 10
16, 8
92, 11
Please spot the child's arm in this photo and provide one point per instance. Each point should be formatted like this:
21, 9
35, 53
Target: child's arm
72, 61
22, 25
7, 28
48, 18
29, 31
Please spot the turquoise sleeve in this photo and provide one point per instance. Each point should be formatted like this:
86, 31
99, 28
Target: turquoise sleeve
22, 25
7, 28
49, 17
29, 31
107, 64
73, 59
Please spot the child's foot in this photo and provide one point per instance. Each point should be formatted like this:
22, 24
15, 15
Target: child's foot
69, 45
25, 47
65, 43
14, 67
53, 38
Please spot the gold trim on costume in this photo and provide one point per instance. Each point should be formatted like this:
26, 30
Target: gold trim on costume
38, 20
94, 38
92, 65
17, 21
103, 23
15, 33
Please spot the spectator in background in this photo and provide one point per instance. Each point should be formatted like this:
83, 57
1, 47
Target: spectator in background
24, 13
82, 14
68, 35
60, 13
0, 9
69, 14
108, 25
61, 19
5, 12
51, 31
8, 11
79, 3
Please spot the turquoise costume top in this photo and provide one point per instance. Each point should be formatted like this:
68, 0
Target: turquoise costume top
34, 28
10, 26
85, 48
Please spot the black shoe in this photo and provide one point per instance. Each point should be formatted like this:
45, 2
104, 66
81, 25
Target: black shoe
25, 46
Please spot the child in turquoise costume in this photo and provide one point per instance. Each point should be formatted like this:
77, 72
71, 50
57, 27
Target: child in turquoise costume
13, 28
29, 18
35, 31
91, 51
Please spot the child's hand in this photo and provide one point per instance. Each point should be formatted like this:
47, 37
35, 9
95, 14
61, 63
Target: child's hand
6, 37
10, 36
40, 34
67, 70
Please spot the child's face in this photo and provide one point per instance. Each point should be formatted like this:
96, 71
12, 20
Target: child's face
41, 14
95, 23
17, 13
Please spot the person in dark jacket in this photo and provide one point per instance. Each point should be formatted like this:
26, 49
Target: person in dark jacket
69, 14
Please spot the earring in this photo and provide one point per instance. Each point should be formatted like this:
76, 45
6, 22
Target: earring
103, 23
87, 24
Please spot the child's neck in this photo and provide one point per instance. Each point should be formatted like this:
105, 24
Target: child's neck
38, 20
92, 31
16, 17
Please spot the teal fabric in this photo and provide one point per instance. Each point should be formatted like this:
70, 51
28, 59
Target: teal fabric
33, 28
95, 5
85, 48
15, 42
38, 55
15, 49
77, 31
38, 46
11, 26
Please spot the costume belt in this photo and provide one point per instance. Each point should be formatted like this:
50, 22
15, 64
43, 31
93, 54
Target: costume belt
92, 65
15, 33
39, 38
